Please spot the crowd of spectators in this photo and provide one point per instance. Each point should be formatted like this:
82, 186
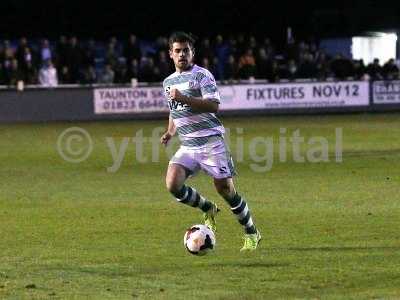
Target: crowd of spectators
70, 61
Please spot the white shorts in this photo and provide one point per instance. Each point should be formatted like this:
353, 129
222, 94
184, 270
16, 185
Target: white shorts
214, 159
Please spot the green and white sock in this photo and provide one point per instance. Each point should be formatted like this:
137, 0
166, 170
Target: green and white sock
240, 208
189, 196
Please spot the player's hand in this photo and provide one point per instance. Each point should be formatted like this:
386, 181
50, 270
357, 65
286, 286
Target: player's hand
176, 95
165, 138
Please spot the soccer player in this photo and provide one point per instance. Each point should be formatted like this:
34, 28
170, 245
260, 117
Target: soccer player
193, 99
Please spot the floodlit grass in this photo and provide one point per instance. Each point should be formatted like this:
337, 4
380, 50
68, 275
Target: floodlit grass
76, 231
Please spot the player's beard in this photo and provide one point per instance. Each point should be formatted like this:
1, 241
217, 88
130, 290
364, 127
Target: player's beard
184, 64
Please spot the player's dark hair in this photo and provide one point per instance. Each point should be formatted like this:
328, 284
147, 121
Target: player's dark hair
181, 37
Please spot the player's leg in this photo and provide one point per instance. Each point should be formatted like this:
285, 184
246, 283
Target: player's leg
240, 208
175, 182
225, 187
218, 163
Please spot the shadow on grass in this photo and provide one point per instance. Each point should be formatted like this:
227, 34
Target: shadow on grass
370, 153
338, 249
249, 264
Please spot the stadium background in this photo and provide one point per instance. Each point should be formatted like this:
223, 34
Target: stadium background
102, 19
81, 231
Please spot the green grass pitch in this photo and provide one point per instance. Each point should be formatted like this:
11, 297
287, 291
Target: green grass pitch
78, 231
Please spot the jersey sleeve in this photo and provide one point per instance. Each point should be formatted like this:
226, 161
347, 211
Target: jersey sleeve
208, 88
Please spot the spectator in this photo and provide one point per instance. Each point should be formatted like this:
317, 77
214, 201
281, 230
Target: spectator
48, 75
267, 44
262, 63
206, 63
30, 73
162, 44
1, 53
375, 70
232, 47
164, 64
89, 54
15, 73
8, 54
241, 44
291, 51
390, 70
205, 50
341, 67
132, 49
302, 48
222, 51
89, 75
273, 74
133, 69
21, 51
307, 68
117, 49
74, 59
64, 76
27, 58
290, 71
252, 43
247, 65
321, 65
313, 48
108, 75
111, 55
148, 72
61, 51
214, 66
269, 49
231, 69
359, 69
45, 51
121, 73
302, 60
3, 79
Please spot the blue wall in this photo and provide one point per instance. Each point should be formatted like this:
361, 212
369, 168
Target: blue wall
337, 46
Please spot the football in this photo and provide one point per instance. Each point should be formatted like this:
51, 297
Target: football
199, 240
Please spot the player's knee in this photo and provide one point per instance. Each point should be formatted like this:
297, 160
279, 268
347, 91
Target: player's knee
224, 190
173, 187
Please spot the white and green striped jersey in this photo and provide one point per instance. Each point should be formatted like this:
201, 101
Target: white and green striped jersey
195, 129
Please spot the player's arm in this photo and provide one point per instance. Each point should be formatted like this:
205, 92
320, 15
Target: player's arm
171, 126
171, 130
196, 103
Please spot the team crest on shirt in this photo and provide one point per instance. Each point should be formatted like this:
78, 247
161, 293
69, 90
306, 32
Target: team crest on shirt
167, 90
